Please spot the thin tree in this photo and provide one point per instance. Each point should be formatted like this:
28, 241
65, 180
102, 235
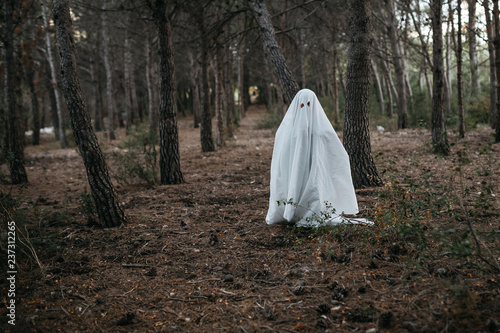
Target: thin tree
110, 102
460, 83
53, 75
493, 74
496, 18
397, 58
439, 135
29, 62
356, 131
273, 51
105, 198
15, 146
207, 143
474, 73
170, 166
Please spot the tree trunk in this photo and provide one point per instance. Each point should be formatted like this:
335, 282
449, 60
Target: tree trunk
97, 100
228, 88
398, 65
30, 80
15, 137
195, 90
460, 98
52, 101
378, 86
341, 77
493, 74
101, 187
448, 64
241, 79
151, 117
219, 111
207, 143
127, 63
110, 103
273, 51
356, 131
390, 102
335, 95
439, 136
170, 166
50, 58
391, 89
496, 18
474, 73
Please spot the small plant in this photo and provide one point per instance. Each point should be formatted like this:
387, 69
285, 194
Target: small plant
139, 157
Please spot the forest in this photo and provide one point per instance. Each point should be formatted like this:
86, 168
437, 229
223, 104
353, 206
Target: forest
136, 141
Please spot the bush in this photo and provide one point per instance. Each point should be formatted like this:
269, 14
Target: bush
139, 159
478, 112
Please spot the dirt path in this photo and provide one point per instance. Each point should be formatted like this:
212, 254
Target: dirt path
198, 257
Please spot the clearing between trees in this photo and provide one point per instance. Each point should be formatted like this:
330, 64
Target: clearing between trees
198, 257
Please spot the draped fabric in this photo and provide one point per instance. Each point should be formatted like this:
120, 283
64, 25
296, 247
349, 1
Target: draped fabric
310, 171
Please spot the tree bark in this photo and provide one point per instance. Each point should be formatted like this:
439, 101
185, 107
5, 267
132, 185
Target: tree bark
398, 65
474, 72
195, 89
496, 18
228, 88
15, 137
241, 79
110, 103
356, 131
127, 63
151, 117
219, 110
493, 74
335, 92
207, 143
378, 86
439, 135
459, 50
105, 198
273, 51
50, 58
30, 73
170, 166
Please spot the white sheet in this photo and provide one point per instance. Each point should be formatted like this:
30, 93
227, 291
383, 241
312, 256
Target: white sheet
310, 168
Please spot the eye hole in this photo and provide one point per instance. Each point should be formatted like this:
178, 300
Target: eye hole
302, 105
308, 103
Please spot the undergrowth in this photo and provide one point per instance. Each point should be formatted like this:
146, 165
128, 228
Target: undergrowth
138, 158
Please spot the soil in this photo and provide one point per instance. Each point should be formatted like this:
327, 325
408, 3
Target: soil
199, 257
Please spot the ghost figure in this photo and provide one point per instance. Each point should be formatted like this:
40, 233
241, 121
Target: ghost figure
310, 170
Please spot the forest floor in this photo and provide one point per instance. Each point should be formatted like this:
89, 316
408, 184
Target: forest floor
199, 257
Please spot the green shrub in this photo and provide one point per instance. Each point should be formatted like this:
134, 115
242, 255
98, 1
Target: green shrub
139, 157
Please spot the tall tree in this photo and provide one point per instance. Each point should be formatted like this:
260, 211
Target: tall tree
170, 166
15, 137
460, 83
53, 75
102, 189
356, 131
491, 51
496, 18
207, 143
273, 51
471, 32
439, 135
29, 62
110, 102
397, 58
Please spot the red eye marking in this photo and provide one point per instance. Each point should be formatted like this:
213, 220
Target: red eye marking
308, 103
302, 105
